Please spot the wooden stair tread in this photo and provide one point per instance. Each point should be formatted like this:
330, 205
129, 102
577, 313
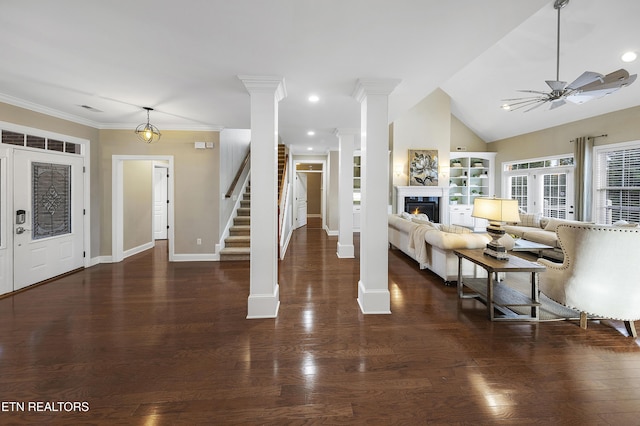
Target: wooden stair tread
236, 250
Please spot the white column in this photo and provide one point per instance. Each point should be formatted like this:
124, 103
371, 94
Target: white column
346, 138
264, 291
373, 287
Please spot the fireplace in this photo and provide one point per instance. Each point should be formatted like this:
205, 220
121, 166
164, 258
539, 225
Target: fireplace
427, 205
433, 194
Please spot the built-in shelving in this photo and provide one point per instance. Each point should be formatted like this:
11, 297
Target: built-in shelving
470, 176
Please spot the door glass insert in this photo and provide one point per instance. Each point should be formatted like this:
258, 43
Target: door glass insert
555, 195
51, 200
520, 192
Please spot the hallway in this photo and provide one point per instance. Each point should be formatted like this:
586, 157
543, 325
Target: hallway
146, 341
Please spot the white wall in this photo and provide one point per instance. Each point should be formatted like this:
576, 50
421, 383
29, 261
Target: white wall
425, 126
234, 145
332, 193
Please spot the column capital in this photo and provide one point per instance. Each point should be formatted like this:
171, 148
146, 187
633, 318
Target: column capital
374, 86
265, 84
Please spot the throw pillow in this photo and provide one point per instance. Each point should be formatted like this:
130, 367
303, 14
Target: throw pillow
454, 229
406, 215
625, 224
410, 216
530, 219
422, 222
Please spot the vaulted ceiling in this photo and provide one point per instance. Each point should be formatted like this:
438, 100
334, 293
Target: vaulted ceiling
183, 59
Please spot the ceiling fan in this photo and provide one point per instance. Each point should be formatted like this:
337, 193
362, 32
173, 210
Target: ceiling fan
589, 85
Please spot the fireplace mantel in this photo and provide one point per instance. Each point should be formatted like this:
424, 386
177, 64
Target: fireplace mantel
421, 191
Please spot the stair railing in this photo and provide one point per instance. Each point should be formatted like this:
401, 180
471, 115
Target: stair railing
234, 183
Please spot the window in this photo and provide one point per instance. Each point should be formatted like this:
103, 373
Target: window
38, 142
617, 183
542, 185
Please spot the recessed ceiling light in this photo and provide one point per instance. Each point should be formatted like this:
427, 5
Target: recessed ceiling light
505, 107
310, 149
629, 56
311, 133
314, 98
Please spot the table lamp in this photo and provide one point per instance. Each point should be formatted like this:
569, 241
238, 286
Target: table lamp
496, 211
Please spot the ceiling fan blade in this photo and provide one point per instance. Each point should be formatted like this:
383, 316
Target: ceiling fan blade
525, 102
522, 98
557, 104
538, 105
614, 80
587, 77
556, 85
521, 105
539, 92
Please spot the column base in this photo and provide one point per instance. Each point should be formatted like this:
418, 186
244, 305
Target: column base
264, 305
345, 251
374, 301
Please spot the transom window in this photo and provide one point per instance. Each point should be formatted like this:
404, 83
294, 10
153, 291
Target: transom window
39, 142
539, 164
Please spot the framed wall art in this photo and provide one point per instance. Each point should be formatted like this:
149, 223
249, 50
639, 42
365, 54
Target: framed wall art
423, 167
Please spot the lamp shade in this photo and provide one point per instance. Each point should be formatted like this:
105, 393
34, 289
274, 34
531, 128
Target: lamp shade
496, 209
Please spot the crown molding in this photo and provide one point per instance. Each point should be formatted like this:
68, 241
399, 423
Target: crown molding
21, 103
31, 106
164, 127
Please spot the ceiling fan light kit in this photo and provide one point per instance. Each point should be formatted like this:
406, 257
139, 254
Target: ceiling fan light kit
590, 85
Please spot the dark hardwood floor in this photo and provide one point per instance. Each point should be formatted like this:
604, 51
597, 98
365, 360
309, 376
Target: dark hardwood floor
151, 342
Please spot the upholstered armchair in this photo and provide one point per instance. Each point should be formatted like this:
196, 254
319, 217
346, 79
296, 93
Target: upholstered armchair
600, 275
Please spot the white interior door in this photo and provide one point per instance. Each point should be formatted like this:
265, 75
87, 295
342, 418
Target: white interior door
6, 258
160, 208
48, 217
301, 199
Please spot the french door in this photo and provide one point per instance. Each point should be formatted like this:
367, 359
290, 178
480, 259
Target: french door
48, 216
548, 192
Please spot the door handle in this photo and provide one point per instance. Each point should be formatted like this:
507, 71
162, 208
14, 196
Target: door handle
21, 230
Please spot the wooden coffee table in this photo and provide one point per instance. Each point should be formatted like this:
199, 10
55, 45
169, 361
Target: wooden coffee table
498, 296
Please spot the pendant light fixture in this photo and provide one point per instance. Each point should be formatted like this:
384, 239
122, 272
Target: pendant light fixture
147, 132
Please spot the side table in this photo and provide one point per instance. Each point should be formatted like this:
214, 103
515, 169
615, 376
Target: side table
498, 295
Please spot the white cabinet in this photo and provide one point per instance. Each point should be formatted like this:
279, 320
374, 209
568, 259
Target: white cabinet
356, 179
470, 176
356, 191
461, 215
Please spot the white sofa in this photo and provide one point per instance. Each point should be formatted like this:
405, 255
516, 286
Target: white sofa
542, 230
600, 274
432, 245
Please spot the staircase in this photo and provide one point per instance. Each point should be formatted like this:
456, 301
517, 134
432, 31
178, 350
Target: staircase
282, 158
237, 246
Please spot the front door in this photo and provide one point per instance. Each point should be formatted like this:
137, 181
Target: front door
48, 217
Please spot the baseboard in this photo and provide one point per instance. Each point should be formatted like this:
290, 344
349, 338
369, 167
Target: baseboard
138, 249
330, 232
196, 257
100, 259
283, 249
